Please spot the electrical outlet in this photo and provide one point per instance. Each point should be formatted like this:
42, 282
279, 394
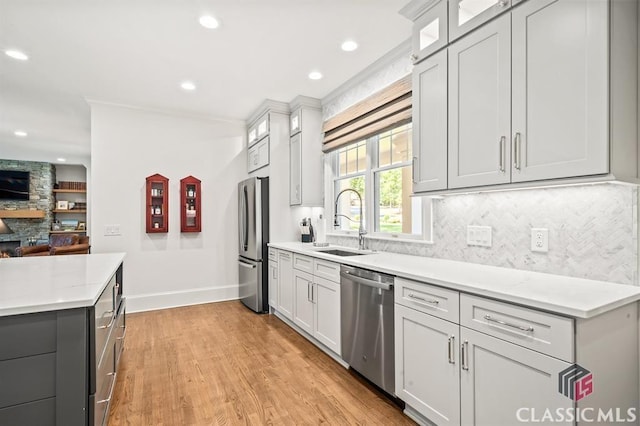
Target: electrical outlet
540, 239
479, 236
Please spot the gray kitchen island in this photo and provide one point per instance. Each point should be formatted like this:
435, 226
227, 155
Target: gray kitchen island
62, 330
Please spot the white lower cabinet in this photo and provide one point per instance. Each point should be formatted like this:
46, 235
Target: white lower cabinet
452, 375
303, 308
285, 284
327, 313
273, 278
309, 295
502, 383
427, 365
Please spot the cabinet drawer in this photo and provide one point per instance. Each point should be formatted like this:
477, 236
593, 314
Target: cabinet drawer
303, 263
24, 335
121, 329
429, 299
105, 382
543, 332
327, 270
273, 254
104, 317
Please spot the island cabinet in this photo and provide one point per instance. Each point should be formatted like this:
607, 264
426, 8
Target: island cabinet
523, 109
60, 367
468, 360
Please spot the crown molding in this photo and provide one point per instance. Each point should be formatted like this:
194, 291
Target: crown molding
415, 8
268, 105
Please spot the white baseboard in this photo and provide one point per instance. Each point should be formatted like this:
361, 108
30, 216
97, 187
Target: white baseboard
174, 299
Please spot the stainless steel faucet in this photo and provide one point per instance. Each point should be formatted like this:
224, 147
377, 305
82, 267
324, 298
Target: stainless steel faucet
361, 230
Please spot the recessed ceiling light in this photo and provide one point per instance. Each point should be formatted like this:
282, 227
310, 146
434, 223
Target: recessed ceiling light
62, 160
20, 133
209, 21
315, 75
16, 54
349, 45
188, 85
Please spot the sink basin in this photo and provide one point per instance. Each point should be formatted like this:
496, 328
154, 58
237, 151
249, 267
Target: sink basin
338, 252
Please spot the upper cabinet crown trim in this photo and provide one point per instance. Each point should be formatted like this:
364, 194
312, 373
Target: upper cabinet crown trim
268, 105
415, 8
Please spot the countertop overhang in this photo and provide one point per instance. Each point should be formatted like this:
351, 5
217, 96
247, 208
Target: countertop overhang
49, 283
569, 296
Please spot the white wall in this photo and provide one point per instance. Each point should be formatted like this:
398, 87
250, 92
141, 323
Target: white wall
164, 270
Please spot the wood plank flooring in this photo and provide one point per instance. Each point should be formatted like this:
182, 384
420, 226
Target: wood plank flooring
221, 364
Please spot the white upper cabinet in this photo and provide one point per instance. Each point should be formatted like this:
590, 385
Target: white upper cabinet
430, 123
295, 122
465, 15
560, 89
480, 106
305, 153
258, 130
430, 31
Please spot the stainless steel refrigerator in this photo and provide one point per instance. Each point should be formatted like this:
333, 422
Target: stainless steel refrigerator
253, 228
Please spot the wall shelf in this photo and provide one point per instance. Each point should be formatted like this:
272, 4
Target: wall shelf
71, 191
21, 214
69, 211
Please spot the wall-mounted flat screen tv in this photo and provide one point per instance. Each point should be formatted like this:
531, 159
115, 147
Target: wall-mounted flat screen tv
14, 185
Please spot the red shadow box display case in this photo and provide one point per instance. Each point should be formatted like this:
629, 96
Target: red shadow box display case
190, 205
157, 204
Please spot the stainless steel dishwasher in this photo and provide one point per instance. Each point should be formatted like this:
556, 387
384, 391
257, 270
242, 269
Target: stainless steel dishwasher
366, 311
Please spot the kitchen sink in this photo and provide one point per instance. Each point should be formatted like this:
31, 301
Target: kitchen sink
338, 252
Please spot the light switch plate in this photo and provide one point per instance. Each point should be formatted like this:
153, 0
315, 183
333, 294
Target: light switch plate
479, 236
540, 239
111, 230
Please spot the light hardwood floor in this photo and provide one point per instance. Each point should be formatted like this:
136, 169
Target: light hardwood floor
221, 364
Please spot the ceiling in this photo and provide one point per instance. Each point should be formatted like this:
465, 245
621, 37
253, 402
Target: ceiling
138, 52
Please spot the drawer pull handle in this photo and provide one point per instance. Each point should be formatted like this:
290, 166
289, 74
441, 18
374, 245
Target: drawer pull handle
526, 329
113, 318
422, 299
451, 350
464, 354
113, 385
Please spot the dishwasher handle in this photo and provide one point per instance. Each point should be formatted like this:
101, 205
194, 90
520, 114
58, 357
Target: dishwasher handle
364, 281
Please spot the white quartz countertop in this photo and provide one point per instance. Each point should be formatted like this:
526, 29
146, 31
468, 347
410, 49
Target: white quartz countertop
49, 283
574, 297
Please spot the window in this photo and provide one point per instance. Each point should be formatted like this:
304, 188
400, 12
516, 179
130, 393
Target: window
379, 169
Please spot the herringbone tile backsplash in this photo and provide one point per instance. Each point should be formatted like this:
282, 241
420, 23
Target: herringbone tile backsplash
592, 231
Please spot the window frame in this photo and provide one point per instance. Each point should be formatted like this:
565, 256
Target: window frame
371, 193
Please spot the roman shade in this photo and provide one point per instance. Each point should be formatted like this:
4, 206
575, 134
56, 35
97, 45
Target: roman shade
384, 109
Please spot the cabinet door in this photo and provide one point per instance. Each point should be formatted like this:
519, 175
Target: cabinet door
430, 31
427, 365
303, 300
465, 15
560, 89
295, 170
295, 123
499, 378
430, 124
326, 297
273, 284
480, 106
285, 284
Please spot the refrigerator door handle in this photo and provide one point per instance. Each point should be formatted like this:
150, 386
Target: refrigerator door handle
245, 241
246, 265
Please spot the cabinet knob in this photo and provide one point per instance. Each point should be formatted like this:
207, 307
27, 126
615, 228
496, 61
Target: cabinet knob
414, 57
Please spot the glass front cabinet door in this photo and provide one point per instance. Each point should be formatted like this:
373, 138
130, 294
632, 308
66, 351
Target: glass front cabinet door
191, 206
465, 15
157, 204
430, 32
